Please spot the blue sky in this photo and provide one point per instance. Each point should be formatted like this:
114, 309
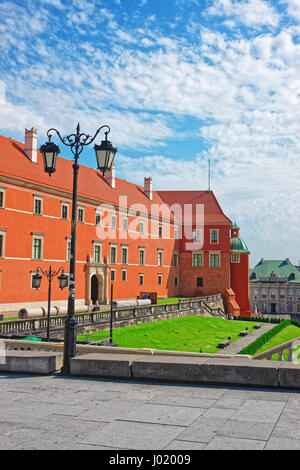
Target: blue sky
178, 81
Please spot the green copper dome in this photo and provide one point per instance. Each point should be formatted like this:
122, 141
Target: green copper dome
238, 245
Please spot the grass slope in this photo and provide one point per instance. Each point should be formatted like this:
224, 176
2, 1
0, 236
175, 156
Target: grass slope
180, 334
289, 333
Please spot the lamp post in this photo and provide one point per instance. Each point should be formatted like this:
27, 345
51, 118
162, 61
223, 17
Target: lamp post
50, 274
105, 154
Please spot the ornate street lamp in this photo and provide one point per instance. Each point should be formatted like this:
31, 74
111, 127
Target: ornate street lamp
50, 153
49, 274
105, 154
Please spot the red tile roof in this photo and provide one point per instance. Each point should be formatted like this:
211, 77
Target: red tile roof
14, 163
213, 213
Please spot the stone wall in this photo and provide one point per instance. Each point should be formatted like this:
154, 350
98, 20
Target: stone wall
97, 321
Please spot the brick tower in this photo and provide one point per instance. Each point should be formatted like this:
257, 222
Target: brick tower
239, 268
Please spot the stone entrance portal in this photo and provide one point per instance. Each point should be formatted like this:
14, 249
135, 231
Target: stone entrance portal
96, 283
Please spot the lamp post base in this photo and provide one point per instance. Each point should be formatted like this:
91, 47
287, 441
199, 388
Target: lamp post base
70, 343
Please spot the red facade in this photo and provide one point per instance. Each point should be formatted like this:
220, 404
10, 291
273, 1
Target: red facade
127, 235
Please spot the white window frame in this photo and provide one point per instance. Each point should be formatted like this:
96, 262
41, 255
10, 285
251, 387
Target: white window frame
2, 191
159, 277
97, 244
142, 227
38, 236
125, 224
64, 204
142, 250
213, 253
113, 217
113, 271
160, 259
3, 234
141, 276
124, 248
214, 242
175, 255
196, 236
80, 208
68, 258
235, 260
37, 198
124, 271
193, 259
116, 253
98, 214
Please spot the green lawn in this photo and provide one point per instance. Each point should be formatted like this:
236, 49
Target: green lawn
289, 333
170, 300
190, 333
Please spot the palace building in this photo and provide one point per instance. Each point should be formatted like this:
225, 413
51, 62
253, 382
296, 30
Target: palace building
275, 287
172, 243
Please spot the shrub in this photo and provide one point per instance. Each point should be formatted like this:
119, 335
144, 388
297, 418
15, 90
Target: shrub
263, 339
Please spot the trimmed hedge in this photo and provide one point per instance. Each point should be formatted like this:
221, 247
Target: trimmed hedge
263, 339
265, 320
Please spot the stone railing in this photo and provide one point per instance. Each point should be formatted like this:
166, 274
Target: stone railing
293, 348
209, 306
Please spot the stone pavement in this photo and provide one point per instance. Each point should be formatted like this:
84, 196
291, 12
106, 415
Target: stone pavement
55, 412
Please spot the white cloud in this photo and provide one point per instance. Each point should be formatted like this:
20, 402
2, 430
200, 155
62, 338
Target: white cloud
293, 8
252, 13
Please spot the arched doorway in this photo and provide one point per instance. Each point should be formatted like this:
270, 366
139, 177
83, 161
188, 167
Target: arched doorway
94, 289
97, 289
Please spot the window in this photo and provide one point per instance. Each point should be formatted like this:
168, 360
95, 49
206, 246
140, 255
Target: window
124, 255
124, 274
214, 260
113, 275
37, 209
198, 235
175, 233
142, 256
298, 308
80, 214
176, 281
2, 243
98, 219
141, 276
97, 253
199, 281
197, 260
113, 221
235, 258
125, 223
160, 231
290, 307
159, 279
2, 195
64, 211
113, 254
68, 250
160, 258
175, 258
214, 236
37, 248
141, 226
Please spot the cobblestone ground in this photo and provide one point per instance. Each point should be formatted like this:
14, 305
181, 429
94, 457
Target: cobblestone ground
56, 412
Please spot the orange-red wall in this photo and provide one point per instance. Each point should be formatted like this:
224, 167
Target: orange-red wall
240, 283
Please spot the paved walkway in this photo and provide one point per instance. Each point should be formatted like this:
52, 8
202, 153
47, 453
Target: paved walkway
244, 341
56, 412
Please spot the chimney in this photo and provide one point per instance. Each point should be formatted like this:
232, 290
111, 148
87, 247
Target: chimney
148, 187
30, 148
111, 176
